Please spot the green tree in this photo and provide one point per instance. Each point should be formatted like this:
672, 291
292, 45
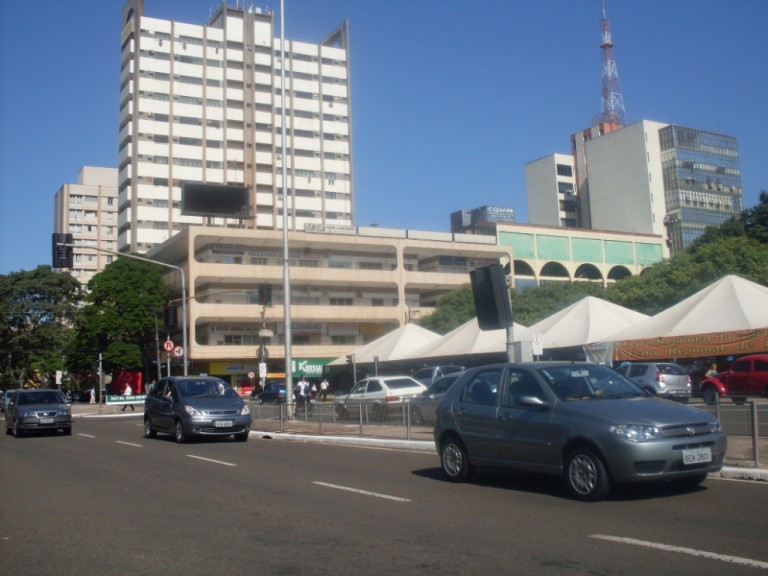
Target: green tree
37, 311
453, 310
119, 318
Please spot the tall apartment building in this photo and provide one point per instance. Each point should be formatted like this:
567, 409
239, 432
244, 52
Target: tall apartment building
646, 178
203, 104
551, 188
88, 210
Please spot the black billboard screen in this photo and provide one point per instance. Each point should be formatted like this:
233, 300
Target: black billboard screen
215, 200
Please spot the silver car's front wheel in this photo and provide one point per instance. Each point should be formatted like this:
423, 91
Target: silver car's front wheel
586, 476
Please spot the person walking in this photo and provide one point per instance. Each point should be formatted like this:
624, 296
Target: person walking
127, 392
92, 396
324, 389
301, 393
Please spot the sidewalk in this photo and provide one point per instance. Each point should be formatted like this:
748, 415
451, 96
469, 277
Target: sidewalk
739, 463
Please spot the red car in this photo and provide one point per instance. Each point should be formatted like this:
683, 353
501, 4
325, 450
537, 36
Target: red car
748, 376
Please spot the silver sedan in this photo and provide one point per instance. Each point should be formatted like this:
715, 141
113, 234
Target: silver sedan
581, 421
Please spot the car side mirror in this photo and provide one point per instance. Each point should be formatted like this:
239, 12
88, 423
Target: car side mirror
534, 402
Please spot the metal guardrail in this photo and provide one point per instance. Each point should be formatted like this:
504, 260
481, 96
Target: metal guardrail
745, 423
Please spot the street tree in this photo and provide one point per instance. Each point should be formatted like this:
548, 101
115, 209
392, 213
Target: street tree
38, 309
120, 316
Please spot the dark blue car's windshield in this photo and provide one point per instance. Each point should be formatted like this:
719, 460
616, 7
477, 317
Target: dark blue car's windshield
203, 388
586, 382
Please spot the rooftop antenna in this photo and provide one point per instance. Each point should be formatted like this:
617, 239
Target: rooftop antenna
612, 99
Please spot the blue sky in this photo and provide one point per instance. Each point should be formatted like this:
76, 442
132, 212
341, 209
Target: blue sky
450, 98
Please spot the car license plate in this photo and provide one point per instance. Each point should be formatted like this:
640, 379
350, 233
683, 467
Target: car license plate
46, 420
697, 456
223, 424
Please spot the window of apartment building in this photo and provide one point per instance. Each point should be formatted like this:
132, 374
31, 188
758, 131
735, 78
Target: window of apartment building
371, 266
565, 188
564, 170
337, 301
110, 201
343, 340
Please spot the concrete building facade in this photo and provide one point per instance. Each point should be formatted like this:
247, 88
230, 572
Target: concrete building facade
203, 104
349, 285
88, 210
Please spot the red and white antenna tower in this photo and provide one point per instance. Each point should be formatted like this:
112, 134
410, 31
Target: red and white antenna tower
613, 101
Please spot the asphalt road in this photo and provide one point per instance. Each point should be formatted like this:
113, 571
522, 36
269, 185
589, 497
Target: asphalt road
107, 501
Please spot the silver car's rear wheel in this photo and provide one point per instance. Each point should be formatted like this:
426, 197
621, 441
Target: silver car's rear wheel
454, 460
586, 476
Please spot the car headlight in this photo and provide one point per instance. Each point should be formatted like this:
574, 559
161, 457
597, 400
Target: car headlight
244, 411
192, 411
636, 432
26, 413
714, 426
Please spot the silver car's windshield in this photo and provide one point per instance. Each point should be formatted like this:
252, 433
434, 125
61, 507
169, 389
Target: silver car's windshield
586, 382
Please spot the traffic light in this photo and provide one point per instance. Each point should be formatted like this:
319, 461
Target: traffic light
63, 256
265, 294
170, 318
491, 295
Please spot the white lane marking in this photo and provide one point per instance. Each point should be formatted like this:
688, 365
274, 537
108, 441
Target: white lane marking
682, 550
86, 435
211, 460
365, 492
129, 444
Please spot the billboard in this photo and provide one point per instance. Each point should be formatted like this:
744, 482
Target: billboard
215, 200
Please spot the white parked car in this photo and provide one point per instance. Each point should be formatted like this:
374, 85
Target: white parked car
378, 396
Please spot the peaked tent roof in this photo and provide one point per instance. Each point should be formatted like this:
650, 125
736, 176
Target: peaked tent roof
466, 339
393, 345
588, 320
727, 305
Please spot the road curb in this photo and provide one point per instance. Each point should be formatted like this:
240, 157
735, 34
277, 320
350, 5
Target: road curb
413, 445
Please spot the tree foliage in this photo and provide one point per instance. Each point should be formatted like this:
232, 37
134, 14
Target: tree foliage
37, 311
453, 310
119, 318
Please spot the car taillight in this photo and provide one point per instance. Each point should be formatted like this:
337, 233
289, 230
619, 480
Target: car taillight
393, 399
659, 377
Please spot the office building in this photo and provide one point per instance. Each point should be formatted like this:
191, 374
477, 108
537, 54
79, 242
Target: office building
202, 104
88, 210
644, 178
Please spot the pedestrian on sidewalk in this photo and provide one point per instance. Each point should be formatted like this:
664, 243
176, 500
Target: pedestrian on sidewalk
128, 392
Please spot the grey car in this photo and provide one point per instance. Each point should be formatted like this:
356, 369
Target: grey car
189, 406
659, 378
37, 410
424, 405
583, 422
6, 398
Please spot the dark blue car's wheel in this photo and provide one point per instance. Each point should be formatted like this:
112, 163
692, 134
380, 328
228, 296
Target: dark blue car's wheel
149, 432
178, 433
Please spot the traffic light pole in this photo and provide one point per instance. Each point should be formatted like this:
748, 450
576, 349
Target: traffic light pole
183, 291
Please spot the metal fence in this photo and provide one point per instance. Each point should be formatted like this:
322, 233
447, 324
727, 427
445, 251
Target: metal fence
745, 423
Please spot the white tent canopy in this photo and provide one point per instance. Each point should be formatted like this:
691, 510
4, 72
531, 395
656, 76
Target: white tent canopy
588, 320
466, 339
730, 304
394, 345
